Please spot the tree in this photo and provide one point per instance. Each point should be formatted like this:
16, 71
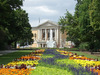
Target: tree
69, 25
19, 28
95, 23
6, 8
83, 22
84, 27
14, 23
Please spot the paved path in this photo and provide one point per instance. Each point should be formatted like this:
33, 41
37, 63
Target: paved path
95, 53
7, 51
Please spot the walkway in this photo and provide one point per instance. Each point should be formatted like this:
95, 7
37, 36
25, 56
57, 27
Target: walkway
7, 51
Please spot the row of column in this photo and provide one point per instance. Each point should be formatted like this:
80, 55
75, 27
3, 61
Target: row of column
51, 35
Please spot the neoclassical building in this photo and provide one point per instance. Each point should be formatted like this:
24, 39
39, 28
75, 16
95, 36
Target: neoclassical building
48, 34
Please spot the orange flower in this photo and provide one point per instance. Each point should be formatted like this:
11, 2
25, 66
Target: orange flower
5, 71
29, 57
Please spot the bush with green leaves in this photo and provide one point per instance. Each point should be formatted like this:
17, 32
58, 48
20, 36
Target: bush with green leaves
84, 46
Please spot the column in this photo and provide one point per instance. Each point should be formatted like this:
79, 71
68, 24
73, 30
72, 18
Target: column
45, 34
57, 35
41, 34
38, 35
50, 34
60, 39
37, 45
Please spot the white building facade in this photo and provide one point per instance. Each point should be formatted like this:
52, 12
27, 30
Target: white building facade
48, 34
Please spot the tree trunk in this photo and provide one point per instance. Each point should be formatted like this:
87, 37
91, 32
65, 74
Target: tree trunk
15, 44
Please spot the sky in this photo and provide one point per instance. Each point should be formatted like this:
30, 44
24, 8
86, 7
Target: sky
43, 10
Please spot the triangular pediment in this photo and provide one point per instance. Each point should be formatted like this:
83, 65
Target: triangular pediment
48, 24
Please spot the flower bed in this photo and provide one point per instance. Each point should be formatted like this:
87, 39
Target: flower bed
57, 61
8, 71
92, 64
23, 65
67, 62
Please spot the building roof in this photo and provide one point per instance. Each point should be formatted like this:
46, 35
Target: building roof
48, 22
51, 22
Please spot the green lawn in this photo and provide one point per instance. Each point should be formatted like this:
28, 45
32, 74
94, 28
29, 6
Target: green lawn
47, 69
42, 68
48, 56
4, 59
85, 54
67, 61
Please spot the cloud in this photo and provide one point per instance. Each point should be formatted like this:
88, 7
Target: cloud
47, 9
35, 23
40, 10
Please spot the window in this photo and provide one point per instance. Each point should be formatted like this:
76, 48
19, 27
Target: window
53, 32
48, 34
43, 34
35, 35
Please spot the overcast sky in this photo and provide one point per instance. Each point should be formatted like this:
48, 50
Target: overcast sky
47, 10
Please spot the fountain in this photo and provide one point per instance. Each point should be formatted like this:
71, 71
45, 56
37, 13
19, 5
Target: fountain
51, 43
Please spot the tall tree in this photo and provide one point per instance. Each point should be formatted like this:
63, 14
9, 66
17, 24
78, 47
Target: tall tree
6, 8
14, 22
84, 22
69, 25
83, 27
19, 28
95, 23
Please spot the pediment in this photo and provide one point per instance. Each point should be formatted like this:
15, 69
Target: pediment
48, 24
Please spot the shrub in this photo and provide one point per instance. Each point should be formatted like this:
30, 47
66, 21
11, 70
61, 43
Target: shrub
84, 46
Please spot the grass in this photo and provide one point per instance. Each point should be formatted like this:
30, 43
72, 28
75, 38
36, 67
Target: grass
87, 55
47, 69
67, 61
4, 59
43, 70
48, 56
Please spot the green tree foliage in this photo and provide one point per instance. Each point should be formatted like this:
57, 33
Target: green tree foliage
19, 28
94, 13
69, 25
14, 23
84, 26
83, 21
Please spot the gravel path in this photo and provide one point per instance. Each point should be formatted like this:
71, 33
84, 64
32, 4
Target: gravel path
7, 51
